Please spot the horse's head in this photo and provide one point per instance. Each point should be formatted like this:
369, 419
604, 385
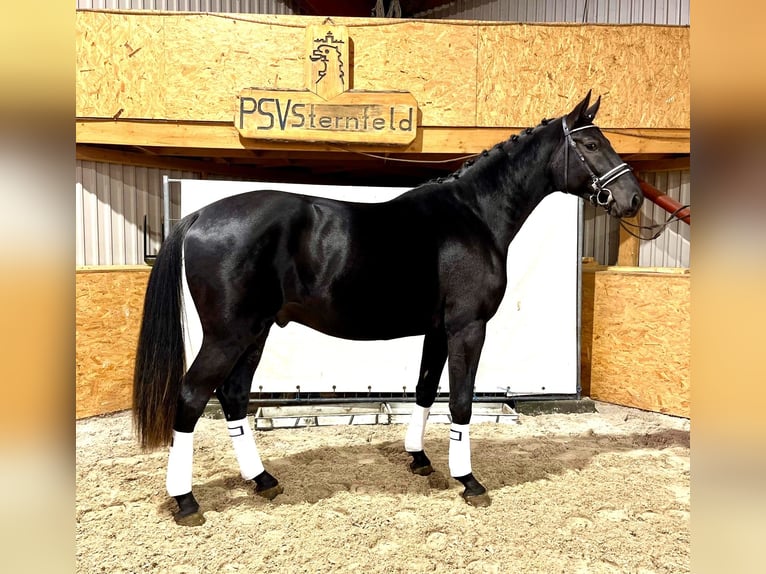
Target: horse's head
585, 164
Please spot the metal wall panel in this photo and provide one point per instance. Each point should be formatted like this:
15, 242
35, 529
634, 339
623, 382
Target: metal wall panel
670, 12
110, 203
672, 248
231, 6
601, 233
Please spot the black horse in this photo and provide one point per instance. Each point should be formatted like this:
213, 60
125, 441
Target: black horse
430, 262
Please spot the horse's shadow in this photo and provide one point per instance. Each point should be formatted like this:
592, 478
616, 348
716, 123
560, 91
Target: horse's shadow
383, 468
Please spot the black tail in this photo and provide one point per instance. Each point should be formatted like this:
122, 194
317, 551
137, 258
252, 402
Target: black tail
160, 355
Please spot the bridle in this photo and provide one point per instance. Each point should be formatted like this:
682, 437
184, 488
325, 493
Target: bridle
601, 195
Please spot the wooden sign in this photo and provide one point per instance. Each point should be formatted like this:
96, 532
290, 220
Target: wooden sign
327, 110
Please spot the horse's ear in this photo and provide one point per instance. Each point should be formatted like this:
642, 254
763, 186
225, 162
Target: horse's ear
578, 113
593, 110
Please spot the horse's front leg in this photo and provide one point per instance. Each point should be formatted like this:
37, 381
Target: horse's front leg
431, 367
464, 347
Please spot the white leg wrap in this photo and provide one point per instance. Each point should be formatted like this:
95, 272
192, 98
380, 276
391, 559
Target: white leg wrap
242, 439
459, 450
413, 440
179, 478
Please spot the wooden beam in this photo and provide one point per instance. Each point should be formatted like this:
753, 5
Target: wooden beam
201, 166
220, 135
107, 155
665, 164
258, 155
309, 170
627, 252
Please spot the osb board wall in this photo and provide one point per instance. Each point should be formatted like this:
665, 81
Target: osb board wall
640, 349
190, 67
109, 304
642, 73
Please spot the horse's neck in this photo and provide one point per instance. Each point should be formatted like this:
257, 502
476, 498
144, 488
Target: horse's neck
509, 192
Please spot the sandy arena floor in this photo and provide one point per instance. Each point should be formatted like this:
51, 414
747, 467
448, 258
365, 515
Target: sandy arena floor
603, 492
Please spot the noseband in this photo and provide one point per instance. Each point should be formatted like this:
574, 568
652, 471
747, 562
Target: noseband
601, 195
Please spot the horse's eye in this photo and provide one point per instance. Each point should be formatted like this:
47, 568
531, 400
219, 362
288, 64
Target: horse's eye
591, 146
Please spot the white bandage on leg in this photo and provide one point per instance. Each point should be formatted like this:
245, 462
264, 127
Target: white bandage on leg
242, 439
179, 477
459, 450
413, 440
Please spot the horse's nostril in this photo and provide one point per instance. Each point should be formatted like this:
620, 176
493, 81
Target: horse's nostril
636, 201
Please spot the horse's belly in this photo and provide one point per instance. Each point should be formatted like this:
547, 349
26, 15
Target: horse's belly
365, 323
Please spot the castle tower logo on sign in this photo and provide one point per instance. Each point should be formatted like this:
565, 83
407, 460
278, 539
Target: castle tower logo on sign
326, 109
328, 76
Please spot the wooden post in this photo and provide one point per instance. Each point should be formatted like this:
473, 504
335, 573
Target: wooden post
627, 254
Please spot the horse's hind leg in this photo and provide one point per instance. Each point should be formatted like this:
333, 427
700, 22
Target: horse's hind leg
234, 397
211, 366
431, 367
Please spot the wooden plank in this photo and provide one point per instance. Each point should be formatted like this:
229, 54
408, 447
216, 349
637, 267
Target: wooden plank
641, 340
246, 168
634, 270
434, 61
589, 268
627, 252
384, 118
428, 140
326, 61
108, 310
663, 164
90, 153
120, 69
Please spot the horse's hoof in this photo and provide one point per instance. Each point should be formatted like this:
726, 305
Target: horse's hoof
474, 494
267, 486
193, 519
270, 493
188, 511
420, 464
421, 470
478, 500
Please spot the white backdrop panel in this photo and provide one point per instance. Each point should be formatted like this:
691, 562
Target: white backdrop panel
531, 345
